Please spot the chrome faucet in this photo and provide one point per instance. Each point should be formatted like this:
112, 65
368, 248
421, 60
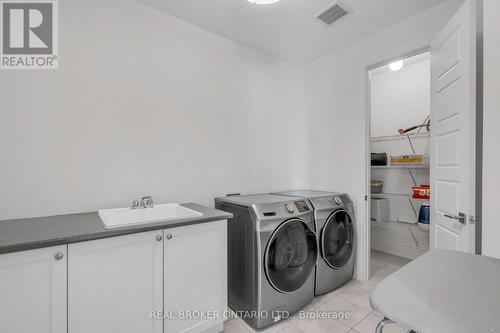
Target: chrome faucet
146, 202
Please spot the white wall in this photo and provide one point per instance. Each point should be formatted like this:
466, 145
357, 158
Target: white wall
335, 98
400, 99
144, 103
491, 161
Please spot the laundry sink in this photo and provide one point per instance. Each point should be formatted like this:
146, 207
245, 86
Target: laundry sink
121, 217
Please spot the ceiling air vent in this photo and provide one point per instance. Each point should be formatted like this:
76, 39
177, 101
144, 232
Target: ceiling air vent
332, 14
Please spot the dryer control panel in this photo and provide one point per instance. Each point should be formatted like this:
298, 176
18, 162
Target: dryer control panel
338, 201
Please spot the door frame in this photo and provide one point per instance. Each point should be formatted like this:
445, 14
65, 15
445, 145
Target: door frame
479, 123
407, 50
364, 230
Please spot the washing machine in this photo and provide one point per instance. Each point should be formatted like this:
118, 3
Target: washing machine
335, 227
272, 254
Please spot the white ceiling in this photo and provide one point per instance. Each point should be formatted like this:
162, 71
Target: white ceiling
288, 29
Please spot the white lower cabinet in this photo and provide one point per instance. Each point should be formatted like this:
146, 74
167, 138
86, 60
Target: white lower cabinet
195, 277
114, 284
33, 291
119, 284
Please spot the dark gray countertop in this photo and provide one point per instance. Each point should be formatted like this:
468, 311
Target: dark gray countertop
33, 233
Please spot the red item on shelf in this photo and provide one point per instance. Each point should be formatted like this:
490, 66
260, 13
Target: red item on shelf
422, 192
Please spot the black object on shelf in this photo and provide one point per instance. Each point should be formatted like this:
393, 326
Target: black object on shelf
379, 159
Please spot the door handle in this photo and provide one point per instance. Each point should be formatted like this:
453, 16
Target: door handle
460, 218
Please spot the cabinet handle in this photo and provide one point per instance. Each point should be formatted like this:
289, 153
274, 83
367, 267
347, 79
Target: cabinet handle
159, 238
169, 236
59, 256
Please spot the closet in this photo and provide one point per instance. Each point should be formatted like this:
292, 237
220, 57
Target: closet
400, 144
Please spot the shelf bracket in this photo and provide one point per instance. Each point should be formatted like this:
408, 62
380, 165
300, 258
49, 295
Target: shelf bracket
412, 177
414, 238
411, 144
413, 207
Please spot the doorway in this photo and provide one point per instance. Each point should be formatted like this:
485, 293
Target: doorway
399, 146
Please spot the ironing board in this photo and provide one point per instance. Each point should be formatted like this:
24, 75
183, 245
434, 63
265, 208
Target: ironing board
442, 292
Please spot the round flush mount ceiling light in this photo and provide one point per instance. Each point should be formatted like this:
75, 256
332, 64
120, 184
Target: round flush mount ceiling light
263, 2
397, 65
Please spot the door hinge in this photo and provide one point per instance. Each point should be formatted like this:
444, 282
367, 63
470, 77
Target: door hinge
366, 198
474, 219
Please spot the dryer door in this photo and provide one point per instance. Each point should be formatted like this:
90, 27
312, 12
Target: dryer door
290, 256
337, 239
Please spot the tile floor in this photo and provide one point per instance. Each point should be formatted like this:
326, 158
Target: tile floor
353, 297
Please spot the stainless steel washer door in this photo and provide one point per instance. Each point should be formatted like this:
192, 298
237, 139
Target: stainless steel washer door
290, 255
337, 239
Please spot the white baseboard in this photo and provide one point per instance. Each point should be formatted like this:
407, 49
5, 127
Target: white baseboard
397, 249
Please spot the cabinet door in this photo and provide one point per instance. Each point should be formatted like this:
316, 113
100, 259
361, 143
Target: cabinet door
33, 291
195, 277
115, 283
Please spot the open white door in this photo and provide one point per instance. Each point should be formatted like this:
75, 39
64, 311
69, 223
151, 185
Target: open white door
453, 119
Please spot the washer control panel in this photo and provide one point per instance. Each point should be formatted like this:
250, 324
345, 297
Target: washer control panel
290, 207
301, 206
